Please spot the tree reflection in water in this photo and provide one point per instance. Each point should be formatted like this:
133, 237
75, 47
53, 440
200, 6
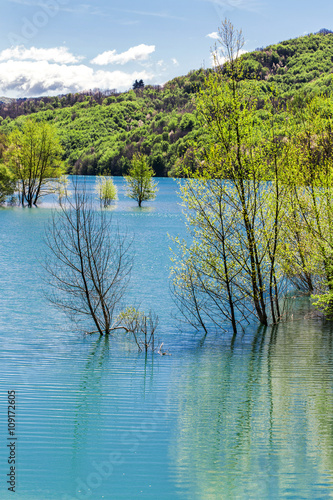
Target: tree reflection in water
256, 420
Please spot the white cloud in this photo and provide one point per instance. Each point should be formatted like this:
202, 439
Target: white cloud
27, 78
217, 59
175, 62
138, 53
58, 55
214, 35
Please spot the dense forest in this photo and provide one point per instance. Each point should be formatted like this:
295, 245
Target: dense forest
101, 131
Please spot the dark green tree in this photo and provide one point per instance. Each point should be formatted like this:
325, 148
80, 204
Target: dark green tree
138, 84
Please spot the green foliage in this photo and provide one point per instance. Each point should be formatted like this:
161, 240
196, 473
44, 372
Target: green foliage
34, 157
140, 186
187, 122
7, 179
309, 214
294, 64
324, 302
7, 183
230, 272
106, 191
258, 205
102, 135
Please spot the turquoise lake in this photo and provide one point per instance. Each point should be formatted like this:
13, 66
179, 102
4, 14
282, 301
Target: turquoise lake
95, 419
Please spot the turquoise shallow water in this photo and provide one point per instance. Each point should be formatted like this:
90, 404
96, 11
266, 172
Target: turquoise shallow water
97, 420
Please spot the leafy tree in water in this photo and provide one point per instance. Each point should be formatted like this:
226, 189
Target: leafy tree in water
34, 155
231, 272
139, 180
309, 172
7, 179
106, 191
7, 183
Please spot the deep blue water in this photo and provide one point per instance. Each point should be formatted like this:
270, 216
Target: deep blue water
97, 420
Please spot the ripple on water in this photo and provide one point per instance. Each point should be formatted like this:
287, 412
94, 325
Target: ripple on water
208, 422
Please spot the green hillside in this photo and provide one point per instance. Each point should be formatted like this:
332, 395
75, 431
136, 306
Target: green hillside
101, 132
304, 63
103, 137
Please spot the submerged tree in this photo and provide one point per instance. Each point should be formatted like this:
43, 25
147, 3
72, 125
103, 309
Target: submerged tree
88, 261
7, 178
89, 264
106, 191
204, 277
139, 180
142, 326
309, 235
7, 183
231, 272
34, 155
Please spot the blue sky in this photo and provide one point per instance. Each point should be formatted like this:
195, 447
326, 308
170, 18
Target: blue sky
50, 47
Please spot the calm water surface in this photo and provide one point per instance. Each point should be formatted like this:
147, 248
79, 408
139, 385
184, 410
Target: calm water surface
97, 420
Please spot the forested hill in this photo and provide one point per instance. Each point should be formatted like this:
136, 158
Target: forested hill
304, 63
101, 131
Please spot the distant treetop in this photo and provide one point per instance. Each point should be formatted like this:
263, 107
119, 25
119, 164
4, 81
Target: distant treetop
323, 31
138, 84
